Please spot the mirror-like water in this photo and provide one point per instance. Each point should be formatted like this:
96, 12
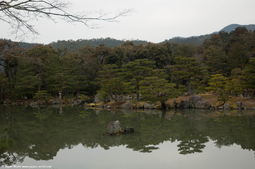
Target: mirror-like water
68, 137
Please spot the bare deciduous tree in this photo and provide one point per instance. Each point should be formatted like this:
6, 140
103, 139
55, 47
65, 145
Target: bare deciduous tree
19, 13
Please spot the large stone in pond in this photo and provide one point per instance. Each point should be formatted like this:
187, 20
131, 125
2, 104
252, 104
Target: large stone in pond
204, 104
193, 100
114, 127
184, 104
129, 130
226, 106
240, 105
148, 106
127, 105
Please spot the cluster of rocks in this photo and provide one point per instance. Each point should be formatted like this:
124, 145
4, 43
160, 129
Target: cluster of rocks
197, 103
41, 103
193, 102
114, 128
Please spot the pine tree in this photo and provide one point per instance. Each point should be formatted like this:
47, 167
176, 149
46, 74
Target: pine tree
187, 69
216, 60
134, 72
4, 85
156, 88
248, 77
111, 82
217, 85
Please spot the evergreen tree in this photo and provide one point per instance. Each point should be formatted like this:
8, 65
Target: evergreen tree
27, 80
216, 60
234, 83
156, 88
111, 82
4, 85
248, 77
158, 54
135, 71
217, 85
10, 53
187, 69
39, 56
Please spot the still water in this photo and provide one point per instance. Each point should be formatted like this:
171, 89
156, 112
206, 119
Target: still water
73, 137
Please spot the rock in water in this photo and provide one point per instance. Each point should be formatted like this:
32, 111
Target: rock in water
193, 100
226, 106
184, 104
240, 105
148, 106
204, 104
127, 105
114, 127
129, 130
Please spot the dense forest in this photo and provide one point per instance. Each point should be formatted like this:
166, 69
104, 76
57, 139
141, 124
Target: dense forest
223, 64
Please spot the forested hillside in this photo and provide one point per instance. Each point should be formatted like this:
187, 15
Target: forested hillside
198, 40
73, 46
223, 64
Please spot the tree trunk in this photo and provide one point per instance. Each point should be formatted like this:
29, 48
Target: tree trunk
246, 92
2, 94
163, 104
77, 94
253, 93
115, 97
41, 75
10, 79
189, 87
137, 93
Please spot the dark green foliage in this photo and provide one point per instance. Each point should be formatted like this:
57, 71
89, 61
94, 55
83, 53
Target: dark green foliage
218, 85
216, 60
73, 46
135, 71
9, 54
248, 77
187, 69
44, 68
111, 82
4, 86
157, 53
156, 88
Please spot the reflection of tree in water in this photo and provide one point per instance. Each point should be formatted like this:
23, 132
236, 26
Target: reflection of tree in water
8, 159
41, 135
192, 142
191, 139
223, 141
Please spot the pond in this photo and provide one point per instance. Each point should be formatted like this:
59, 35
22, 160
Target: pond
73, 137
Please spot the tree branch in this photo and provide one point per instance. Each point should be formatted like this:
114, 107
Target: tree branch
18, 14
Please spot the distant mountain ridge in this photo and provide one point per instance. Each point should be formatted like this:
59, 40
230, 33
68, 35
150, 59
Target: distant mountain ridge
232, 27
198, 40
73, 46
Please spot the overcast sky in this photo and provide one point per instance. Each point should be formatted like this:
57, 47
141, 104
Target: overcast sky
152, 20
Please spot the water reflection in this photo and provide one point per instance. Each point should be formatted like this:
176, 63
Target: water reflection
41, 133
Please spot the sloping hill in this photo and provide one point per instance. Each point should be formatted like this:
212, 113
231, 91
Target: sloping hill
198, 40
232, 27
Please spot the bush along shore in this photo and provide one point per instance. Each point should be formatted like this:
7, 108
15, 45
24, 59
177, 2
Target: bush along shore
202, 101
